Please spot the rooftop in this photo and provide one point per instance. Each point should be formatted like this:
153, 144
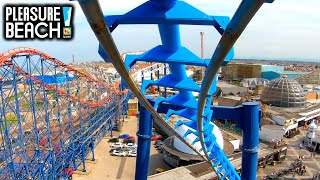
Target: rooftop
283, 92
298, 113
291, 72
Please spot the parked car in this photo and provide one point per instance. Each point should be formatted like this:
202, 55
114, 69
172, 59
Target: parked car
132, 148
157, 137
159, 144
128, 141
116, 145
129, 137
122, 136
154, 132
132, 153
118, 149
2, 147
159, 170
69, 172
26, 133
114, 140
114, 128
130, 145
157, 141
160, 149
119, 153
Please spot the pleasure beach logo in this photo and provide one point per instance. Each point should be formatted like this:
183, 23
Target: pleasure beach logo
38, 21
67, 30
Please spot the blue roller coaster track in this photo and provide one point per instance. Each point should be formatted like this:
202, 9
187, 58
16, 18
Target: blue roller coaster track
49, 129
168, 15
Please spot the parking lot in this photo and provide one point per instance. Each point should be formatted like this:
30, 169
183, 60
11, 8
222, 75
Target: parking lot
114, 167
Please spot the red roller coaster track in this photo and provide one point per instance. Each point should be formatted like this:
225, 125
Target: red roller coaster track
7, 55
4, 58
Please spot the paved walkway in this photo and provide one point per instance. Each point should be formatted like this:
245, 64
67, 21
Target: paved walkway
111, 167
107, 166
312, 164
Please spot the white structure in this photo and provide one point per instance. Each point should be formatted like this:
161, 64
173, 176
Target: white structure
253, 82
312, 130
313, 136
137, 75
191, 137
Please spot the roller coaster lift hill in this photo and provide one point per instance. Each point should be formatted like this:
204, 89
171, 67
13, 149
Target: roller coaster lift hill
168, 15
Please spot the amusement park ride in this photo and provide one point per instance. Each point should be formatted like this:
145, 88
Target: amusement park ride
48, 128
168, 15
48, 139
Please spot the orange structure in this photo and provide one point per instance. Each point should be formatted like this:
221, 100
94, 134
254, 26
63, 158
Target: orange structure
311, 95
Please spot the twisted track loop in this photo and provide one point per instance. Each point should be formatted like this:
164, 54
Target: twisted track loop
167, 15
95, 18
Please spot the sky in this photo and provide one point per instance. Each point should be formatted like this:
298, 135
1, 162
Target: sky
284, 29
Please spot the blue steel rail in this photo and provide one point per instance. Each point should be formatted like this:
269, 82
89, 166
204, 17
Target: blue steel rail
45, 134
168, 15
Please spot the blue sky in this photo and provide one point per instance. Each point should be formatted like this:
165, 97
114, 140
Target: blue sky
285, 29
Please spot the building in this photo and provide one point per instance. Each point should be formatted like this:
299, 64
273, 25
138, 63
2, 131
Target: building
283, 92
228, 100
270, 72
252, 83
312, 139
285, 103
309, 78
233, 71
259, 89
237, 70
270, 75
311, 95
227, 88
269, 133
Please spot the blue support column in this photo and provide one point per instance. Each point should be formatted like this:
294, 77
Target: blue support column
92, 149
250, 137
151, 73
123, 85
21, 139
158, 77
144, 137
83, 153
164, 74
170, 37
32, 92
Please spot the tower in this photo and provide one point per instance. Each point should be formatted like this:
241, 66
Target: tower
202, 44
203, 70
